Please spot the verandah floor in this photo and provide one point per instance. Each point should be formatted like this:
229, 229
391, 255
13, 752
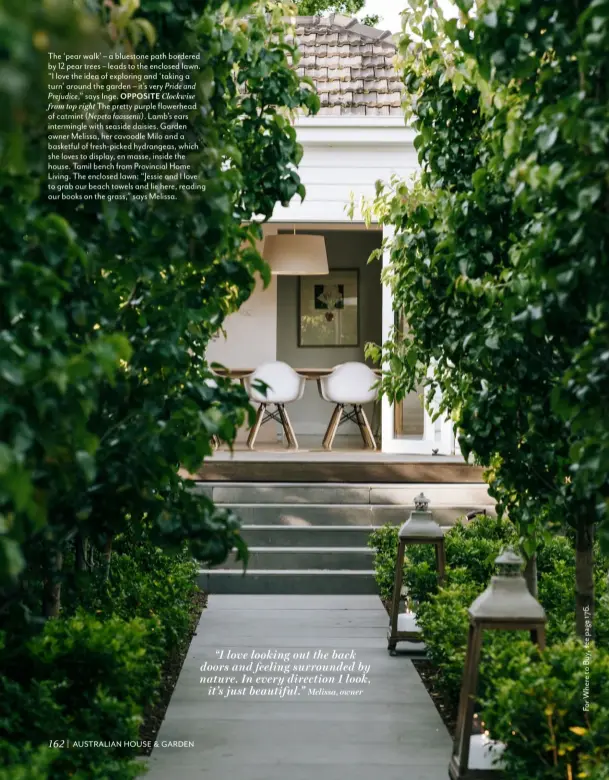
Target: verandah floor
345, 449
391, 731
271, 462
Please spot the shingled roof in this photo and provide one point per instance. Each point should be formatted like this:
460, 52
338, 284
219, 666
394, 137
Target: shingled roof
350, 64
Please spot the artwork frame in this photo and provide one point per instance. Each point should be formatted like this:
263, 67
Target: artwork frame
328, 309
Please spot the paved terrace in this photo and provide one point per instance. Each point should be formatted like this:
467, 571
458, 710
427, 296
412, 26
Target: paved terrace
391, 731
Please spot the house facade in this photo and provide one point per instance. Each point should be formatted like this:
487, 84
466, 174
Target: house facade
358, 137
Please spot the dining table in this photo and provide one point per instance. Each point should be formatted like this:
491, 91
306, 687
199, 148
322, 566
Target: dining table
307, 373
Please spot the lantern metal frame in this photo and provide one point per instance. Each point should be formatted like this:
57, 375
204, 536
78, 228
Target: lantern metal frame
420, 528
492, 610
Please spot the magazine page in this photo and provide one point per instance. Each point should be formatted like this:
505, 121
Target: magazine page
304, 371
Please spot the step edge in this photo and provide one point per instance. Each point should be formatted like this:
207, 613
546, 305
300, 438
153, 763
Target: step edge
291, 572
267, 527
256, 549
368, 507
331, 485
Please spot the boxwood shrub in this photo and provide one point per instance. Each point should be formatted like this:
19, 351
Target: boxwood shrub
552, 712
531, 701
89, 674
81, 679
471, 545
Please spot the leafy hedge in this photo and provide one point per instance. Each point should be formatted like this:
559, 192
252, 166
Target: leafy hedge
89, 675
473, 545
148, 584
538, 712
497, 256
515, 689
107, 308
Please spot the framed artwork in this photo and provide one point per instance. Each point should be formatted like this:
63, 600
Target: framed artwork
328, 309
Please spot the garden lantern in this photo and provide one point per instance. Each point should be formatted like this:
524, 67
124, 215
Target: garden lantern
420, 528
505, 605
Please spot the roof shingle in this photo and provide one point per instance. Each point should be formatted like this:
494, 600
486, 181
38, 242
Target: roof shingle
350, 64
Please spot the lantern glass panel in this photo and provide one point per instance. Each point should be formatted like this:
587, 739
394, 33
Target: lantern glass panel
484, 752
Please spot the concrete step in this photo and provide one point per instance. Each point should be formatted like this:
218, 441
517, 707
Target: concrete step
440, 495
306, 535
302, 516
298, 558
310, 538
295, 582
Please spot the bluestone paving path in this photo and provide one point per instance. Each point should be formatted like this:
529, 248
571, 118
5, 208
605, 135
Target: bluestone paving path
392, 731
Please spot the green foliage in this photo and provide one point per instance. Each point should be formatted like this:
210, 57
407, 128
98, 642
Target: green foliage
443, 622
556, 573
320, 7
600, 623
471, 549
106, 308
146, 583
592, 771
26, 762
475, 545
442, 617
92, 671
450, 262
80, 677
499, 263
348, 7
538, 709
384, 542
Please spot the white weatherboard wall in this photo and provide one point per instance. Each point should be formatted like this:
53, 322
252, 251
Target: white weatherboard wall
344, 155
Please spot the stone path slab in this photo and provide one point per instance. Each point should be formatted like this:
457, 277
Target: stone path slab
392, 729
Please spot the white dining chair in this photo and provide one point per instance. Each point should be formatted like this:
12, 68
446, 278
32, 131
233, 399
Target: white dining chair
349, 385
284, 387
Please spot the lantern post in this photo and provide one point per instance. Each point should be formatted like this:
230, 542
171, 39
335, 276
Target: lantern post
506, 605
420, 528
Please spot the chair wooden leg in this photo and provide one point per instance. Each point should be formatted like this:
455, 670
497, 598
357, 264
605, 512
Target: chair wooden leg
360, 424
251, 439
332, 427
365, 428
287, 427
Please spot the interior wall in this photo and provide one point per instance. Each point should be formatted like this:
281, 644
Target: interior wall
346, 249
250, 332
250, 335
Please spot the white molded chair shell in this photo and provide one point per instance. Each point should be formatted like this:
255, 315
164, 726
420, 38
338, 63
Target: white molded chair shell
322, 383
349, 383
284, 384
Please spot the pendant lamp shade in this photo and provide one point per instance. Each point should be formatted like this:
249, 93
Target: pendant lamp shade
290, 254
